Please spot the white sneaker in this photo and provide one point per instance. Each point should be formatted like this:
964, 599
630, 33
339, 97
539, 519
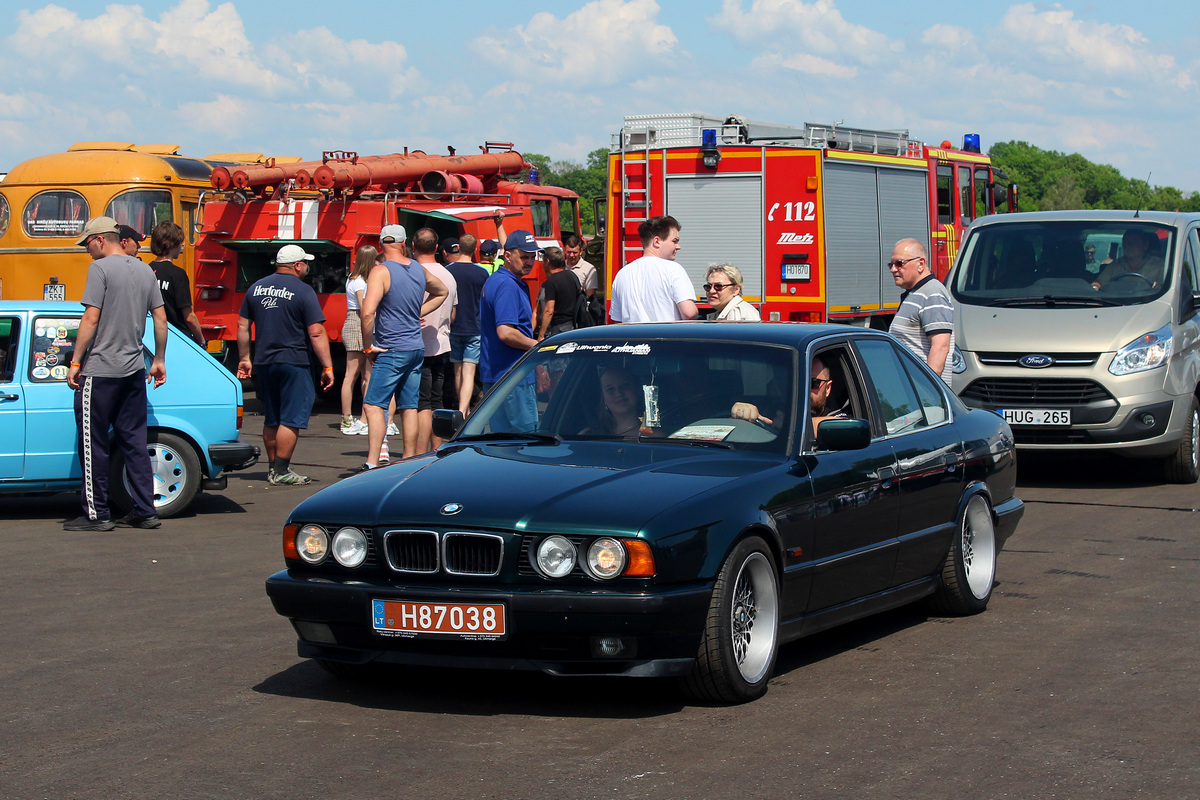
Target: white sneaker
392, 429
355, 428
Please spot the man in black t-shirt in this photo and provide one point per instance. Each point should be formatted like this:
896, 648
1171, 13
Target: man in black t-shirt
166, 243
562, 293
287, 318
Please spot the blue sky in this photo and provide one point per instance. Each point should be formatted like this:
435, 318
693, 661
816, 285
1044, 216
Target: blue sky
1117, 82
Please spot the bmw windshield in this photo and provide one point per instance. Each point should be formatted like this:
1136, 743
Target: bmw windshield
1064, 264
675, 392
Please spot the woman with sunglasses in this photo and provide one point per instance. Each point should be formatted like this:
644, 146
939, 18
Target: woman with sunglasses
724, 291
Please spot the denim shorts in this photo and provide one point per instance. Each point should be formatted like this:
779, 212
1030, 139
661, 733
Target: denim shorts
464, 348
286, 392
398, 373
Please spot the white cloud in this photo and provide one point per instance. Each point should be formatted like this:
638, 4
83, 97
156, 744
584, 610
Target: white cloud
791, 25
1116, 51
806, 63
602, 43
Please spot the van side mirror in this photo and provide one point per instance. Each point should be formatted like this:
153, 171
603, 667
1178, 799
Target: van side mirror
447, 422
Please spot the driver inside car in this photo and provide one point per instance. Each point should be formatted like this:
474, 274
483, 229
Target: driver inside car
820, 387
1138, 258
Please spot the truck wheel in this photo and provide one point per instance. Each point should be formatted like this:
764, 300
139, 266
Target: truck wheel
1184, 465
741, 634
176, 469
970, 566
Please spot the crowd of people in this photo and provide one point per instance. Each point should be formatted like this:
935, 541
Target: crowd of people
424, 318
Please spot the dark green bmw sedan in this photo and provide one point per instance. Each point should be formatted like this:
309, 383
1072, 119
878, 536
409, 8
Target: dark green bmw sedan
666, 500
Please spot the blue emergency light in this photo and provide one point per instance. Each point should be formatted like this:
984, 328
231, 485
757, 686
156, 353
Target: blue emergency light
971, 142
708, 148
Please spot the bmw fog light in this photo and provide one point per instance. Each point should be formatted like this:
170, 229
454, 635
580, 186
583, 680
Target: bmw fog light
350, 547
312, 543
614, 647
555, 557
605, 558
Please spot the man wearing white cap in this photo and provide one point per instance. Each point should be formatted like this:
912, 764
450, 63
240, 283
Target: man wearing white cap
287, 317
109, 375
399, 293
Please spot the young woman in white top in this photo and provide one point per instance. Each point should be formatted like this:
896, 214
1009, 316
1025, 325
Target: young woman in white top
358, 366
723, 286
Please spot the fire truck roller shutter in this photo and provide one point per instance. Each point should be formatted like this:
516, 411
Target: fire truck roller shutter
722, 221
867, 210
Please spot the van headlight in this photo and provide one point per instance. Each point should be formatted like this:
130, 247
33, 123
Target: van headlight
958, 364
1145, 352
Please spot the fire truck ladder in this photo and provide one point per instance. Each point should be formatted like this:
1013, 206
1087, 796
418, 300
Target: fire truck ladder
635, 185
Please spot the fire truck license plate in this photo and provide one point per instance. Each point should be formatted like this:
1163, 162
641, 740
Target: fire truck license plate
1037, 416
796, 272
54, 291
460, 620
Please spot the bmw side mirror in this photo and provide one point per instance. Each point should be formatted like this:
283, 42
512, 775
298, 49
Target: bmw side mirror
447, 423
843, 434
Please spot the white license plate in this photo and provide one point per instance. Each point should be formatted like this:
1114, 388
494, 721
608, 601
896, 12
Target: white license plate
458, 620
1037, 416
54, 291
797, 272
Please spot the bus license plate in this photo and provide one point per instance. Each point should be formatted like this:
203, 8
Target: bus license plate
459, 620
54, 291
1037, 416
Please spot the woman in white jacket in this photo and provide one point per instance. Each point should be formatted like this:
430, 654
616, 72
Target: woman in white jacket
724, 289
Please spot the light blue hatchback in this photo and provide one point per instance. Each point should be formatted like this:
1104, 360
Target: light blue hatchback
193, 418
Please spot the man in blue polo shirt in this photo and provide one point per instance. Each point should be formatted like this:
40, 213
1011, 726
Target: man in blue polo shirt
506, 331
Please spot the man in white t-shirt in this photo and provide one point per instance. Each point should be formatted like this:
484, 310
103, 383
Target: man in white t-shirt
654, 288
435, 332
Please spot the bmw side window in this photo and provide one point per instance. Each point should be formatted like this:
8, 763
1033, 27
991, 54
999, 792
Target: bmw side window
933, 402
10, 329
898, 401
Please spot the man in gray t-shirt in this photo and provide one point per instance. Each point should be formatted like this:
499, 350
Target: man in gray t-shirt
925, 320
110, 376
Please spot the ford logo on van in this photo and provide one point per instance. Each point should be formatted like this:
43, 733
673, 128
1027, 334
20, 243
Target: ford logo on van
1035, 361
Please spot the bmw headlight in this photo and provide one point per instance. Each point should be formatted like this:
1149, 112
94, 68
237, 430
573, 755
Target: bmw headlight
555, 557
605, 558
312, 543
350, 547
958, 364
1143, 353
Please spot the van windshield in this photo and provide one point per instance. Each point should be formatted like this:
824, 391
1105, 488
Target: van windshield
1064, 263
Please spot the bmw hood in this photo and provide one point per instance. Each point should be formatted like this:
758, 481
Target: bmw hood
573, 486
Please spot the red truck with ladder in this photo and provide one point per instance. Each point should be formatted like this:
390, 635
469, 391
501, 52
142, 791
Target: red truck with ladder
809, 215
334, 206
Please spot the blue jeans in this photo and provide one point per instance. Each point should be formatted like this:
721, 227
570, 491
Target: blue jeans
518, 412
396, 372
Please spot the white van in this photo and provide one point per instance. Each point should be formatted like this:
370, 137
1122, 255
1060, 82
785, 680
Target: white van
1080, 352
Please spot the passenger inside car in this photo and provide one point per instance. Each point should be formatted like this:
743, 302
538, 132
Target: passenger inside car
622, 405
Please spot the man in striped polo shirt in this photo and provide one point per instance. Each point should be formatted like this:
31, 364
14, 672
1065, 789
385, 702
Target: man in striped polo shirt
925, 320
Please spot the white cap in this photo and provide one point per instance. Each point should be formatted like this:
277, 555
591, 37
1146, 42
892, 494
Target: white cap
291, 253
393, 232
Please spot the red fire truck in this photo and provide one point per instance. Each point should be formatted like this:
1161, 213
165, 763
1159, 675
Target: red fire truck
809, 215
334, 206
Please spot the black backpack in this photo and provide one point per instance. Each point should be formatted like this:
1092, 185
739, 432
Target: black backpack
583, 307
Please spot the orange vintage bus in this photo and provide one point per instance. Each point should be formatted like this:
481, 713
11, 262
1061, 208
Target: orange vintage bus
45, 201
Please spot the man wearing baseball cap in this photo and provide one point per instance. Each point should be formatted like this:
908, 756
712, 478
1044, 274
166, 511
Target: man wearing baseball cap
131, 240
287, 317
487, 255
399, 293
109, 375
506, 331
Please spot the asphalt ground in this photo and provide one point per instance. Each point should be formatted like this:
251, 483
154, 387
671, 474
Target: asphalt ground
150, 664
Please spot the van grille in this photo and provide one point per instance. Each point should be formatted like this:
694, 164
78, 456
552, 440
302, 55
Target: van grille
1060, 359
1034, 392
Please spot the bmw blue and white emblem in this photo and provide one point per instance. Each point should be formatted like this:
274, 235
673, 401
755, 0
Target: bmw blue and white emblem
1035, 361
451, 508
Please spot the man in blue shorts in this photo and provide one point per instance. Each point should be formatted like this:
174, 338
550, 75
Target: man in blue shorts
399, 292
286, 318
506, 331
464, 330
